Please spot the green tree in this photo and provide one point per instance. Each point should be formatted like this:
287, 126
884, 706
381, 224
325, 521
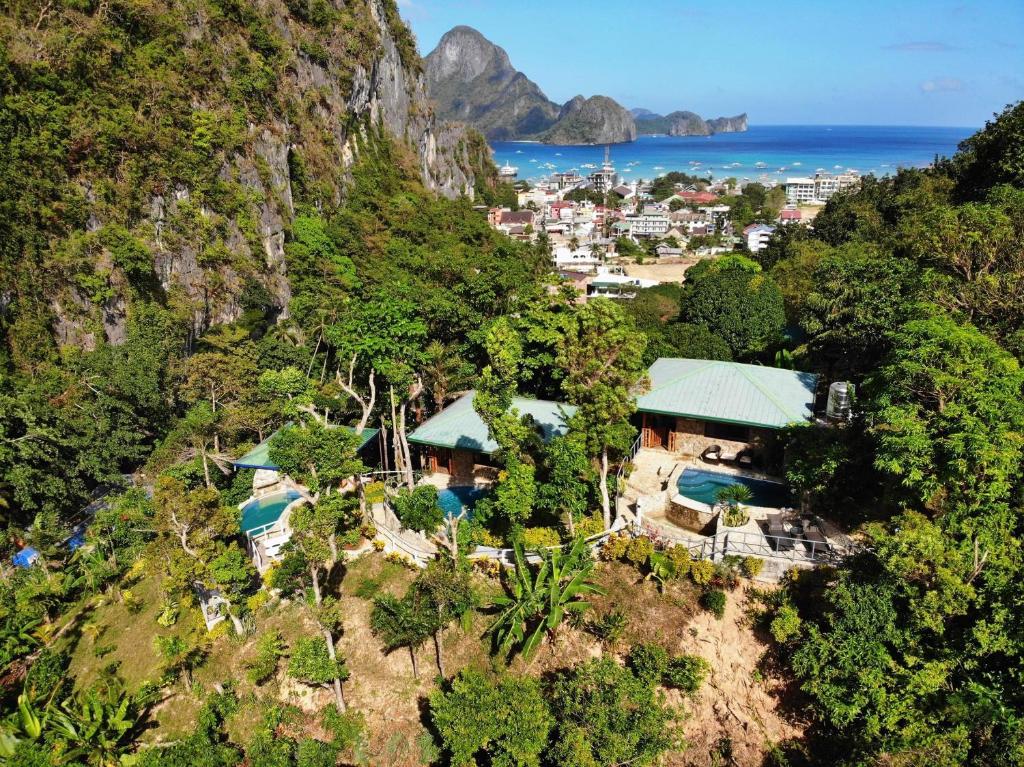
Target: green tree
447, 590
312, 662
505, 721
744, 308
949, 423
606, 715
418, 509
602, 356
407, 622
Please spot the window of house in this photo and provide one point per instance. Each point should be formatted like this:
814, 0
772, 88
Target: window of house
727, 431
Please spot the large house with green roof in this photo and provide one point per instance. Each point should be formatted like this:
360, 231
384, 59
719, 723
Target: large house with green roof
456, 440
694, 404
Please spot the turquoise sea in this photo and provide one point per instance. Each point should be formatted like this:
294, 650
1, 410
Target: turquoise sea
765, 152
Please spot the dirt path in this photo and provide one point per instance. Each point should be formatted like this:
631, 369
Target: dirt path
737, 701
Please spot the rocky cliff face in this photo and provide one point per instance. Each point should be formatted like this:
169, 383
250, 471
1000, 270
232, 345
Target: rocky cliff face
683, 123
737, 124
597, 120
472, 80
249, 112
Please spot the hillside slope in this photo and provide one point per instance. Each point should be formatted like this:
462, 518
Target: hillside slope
164, 145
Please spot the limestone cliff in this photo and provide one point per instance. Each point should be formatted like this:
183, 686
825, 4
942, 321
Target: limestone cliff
185, 134
597, 120
472, 80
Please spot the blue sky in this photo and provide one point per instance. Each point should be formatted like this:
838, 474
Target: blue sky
813, 62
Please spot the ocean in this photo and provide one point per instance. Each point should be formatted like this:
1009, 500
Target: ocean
763, 153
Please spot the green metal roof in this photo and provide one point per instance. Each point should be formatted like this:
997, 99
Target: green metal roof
729, 392
459, 427
259, 456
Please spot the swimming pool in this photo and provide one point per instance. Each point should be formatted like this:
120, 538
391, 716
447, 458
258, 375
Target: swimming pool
266, 510
454, 499
703, 486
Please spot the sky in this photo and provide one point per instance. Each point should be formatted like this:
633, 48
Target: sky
838, 62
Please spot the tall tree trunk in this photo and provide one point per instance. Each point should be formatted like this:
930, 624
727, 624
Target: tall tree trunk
314, 574
206, 469
410, 481
396, 444
440, 652
606, 507
415, 666
339, 697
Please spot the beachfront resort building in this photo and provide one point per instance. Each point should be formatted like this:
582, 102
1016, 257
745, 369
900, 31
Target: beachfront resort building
804, 189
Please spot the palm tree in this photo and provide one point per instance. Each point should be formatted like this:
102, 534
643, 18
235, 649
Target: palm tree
537, 602
405, 622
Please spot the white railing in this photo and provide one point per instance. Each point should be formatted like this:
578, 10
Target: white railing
620, 475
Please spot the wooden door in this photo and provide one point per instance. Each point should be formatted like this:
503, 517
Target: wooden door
655, 432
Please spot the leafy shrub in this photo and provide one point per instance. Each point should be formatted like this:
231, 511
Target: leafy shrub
610, 626
269, 647
680, 558
348, 728
702, 571
639, 550
726, 574
785, 625
315, 753
614, 547
714, 602
735, 516
168, 613
48, 674
589, 526
752, 566
649, 662
374, 492
311, 663
734, 494
540, 537
686, 673
257, 600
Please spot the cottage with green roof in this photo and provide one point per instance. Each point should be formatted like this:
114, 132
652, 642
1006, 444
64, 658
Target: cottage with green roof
456, 440
694, 404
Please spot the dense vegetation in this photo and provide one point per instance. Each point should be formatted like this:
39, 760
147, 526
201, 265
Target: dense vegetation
396, 302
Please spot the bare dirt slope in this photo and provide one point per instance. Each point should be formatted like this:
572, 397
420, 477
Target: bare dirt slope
740, 701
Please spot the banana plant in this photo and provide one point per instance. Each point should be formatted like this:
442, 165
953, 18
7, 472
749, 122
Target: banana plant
25, 724
538, 601
99, 726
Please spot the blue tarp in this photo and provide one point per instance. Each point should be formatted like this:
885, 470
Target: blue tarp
25, 557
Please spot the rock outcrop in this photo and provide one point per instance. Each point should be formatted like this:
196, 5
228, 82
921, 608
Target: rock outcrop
597, 120
473, 81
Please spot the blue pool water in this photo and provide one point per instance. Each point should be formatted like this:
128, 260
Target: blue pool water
264, 511
454, 499
703, 486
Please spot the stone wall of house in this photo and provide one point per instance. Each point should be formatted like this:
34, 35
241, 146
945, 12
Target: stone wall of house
687, 438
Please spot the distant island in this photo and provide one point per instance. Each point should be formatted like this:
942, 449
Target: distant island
472, 80
685, 123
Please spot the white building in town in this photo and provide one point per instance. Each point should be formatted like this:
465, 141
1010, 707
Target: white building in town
757, 236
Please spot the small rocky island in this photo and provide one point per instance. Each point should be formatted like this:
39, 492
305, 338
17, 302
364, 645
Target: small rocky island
686, 123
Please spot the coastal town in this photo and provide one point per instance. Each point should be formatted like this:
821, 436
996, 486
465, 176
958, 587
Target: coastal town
609, 236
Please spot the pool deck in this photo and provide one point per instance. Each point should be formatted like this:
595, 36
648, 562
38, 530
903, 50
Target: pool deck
653, 482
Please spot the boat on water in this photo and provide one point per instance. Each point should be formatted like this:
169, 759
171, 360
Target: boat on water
760, 164
797, 163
